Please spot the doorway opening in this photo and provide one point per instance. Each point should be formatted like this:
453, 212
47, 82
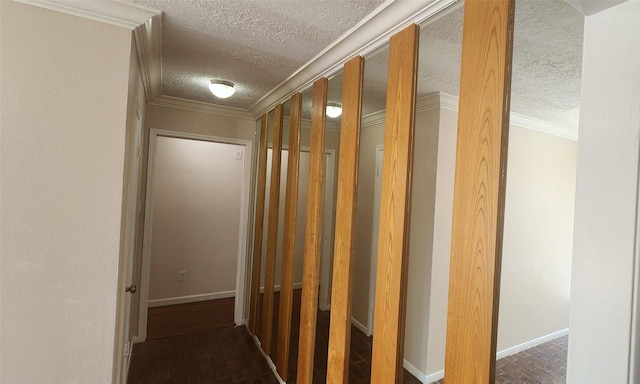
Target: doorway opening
196, 222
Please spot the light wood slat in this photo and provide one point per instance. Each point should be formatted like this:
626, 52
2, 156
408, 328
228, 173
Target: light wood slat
289, 242
272, 233
313, 234
259, 224
340, 325
478, 215
395, 202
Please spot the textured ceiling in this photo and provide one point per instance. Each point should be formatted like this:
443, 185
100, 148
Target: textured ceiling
259, 44
255, 44
547, 61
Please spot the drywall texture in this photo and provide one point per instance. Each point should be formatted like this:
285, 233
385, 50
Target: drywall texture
255, 44
196, 190
606, 200
64, 91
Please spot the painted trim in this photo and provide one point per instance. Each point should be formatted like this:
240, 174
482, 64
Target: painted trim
590, 7
432, 377
360, 326
538, 125
531, 343
191, 298
388, 19
418, 374
122, 14
148, 41
267, 358
276, 288
435, 376
198, 106
241, 278
374, 118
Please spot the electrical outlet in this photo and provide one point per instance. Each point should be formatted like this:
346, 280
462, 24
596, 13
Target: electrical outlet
238, 154
182, 275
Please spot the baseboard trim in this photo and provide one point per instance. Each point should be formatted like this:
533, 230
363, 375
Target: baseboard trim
532, 343
268, 359
276, 288
360, 326
416, 372
432, 378
191, 298
435, 376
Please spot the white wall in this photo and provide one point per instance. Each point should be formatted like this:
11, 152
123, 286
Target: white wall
537, 249
421, 237
537, 242
196, 190
209, 124
372, 134
538, 237
63, 119
606, 199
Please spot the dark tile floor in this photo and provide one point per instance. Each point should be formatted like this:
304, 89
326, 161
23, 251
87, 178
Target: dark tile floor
543, 364
180, 319
230, 355
227, 355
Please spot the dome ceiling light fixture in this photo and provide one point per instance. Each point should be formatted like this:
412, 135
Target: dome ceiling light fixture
334, 110
221, 88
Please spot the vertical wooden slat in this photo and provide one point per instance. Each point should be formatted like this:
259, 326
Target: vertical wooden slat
340, 325
313, 234
272, 234
476, 242
259, 224
289, 242
395, 204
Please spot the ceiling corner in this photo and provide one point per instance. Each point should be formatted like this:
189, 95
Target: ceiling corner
119, 13
590, 7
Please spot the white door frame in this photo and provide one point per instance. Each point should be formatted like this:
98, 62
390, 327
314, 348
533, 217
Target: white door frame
131, 223
241, 280
373, 265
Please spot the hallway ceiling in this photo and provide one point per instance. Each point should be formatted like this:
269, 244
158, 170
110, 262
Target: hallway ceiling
254, 44
260, 44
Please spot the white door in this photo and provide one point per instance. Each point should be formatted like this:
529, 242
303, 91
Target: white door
130, 242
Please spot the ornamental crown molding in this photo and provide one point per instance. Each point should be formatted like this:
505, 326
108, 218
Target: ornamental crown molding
441, 100
119, 13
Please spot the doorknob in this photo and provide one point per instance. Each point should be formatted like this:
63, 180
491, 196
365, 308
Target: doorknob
131, 289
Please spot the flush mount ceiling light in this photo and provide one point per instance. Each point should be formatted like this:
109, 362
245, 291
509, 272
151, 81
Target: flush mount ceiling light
334, 110
222, 88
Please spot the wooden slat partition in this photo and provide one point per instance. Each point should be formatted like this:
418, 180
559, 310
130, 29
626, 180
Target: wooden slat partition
272, 234
259, 224
340, 326
395, 204
476, 242
289, 242
313, 234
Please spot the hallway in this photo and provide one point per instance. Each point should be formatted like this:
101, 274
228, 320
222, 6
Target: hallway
194, 351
